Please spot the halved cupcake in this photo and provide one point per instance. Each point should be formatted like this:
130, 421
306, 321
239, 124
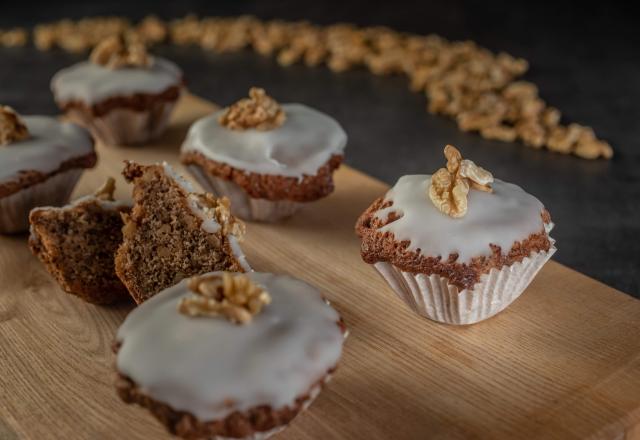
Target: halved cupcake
174, 233
41, 160
77, 244
458, 246
269, 159
122, 94
227, 355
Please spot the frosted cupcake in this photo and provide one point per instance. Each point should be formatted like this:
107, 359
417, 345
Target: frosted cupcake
269, 159
458, 246
227, 355
41, 160
122, 94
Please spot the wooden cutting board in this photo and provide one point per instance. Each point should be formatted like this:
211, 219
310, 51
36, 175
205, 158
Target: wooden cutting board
562, 362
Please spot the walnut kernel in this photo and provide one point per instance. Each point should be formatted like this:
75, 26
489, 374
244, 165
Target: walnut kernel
259, 111
12, 129
234, 296
450, 186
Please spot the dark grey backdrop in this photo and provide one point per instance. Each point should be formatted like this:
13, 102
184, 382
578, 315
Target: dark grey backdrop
584, 59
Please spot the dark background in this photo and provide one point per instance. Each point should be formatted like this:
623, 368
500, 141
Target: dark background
585, 60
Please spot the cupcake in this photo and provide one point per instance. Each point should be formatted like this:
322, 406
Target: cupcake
41, 160
225, 355
174, 232
77, 244
268, 159
122, 94
458, 246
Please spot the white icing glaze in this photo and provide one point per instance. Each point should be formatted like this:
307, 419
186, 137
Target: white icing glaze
91, 83
195, 364
507, 215
299, 147
209, 223
51, 143
239, 254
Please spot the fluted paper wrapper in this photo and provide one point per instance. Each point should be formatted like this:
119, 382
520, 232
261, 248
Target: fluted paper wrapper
123, 126
433, 297
55, 191
243, 205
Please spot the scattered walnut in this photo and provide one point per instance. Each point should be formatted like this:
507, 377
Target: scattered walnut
152, 30
259, 111
461, 80
115, 53
450, 186
234, 296
105, 192
499, 132
16, 37
12, 129
562, 139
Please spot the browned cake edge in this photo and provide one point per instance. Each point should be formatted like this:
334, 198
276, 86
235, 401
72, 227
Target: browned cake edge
138, 102
29, 178
108, 291
238, 424
271, 187
378, 246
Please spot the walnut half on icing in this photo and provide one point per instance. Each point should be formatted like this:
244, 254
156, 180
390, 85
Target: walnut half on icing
450, 186
116, 52
12, 129
234, 296
258, 111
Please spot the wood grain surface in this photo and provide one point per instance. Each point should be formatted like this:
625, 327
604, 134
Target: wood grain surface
562, 362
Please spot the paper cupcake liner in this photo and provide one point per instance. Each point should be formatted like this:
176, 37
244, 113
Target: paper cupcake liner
123, 126
243, 205
55, 191
433, 297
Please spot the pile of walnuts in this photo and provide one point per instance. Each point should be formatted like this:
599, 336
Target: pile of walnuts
481, 90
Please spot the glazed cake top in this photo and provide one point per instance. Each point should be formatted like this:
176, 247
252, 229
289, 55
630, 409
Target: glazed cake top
91, 83
304, 143
212, 367
502, 217
51, 143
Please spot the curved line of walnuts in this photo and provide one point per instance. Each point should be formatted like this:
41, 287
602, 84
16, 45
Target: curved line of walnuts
476, 87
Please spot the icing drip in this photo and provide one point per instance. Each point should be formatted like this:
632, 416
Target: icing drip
304, 143
196, 365
507, 215
91, 83
51, 143
209, 222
